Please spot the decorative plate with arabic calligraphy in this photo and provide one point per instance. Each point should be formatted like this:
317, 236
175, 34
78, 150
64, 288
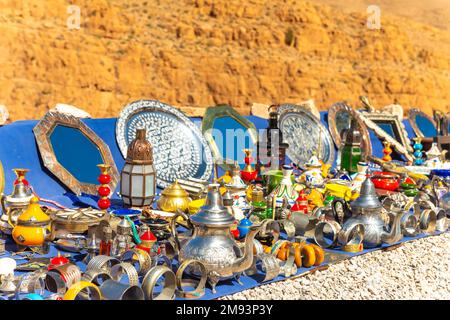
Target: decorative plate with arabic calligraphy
305, 134
179, 148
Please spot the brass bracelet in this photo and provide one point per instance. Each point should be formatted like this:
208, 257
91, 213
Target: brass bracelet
78, 291
140, 256
125, 268
152, 277
166, 261
353, 247
200, 285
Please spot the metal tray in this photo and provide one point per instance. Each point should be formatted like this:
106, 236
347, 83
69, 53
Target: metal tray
179, 149
305, 134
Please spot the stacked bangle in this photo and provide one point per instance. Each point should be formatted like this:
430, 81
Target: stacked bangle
83, 290
151, 278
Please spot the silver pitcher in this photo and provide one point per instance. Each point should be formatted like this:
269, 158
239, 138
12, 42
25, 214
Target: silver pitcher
14, 205
212, 242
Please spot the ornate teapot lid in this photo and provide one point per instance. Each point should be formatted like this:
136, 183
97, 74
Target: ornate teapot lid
434, 151
213, 213
33, 213
175, 190
314, 161
367, 199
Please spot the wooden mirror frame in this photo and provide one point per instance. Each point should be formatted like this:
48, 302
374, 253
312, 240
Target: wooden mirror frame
42, 132
403, 147
412, 113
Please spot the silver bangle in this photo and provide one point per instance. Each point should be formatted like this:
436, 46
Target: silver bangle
33, 282
441, 220
408, 224
113, 290
352, 234
289, 228
68, 273
319, 237
125, 268
427, 221
97, 277
289, 268
140, 256
102, 263
199, 290
270, 266
151, 278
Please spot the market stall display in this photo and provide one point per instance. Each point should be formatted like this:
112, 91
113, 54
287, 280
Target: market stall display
245, 226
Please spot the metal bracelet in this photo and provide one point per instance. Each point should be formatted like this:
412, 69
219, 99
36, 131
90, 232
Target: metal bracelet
427, 221
319, 236
289, 228
351, 234
54, 283
289, 267
441, 220
258, 246
140, 256
165, 261
97, 277
102, 263
408, 224
33, 283
69, 273
200, 285
114, 290
125, 268
151, 278
270, 266
83, 290
270, 226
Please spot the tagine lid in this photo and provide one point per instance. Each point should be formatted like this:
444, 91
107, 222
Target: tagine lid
33, 213
213, 213
175, 190
368, 198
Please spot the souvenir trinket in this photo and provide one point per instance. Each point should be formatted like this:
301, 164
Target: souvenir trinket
285, 190
33, 226
249, 173
359, 178
301, 203
104, 191
149, 242
211, 242
106, 242
418, 154
69, 221
434, 157
138, 185
59, 260
351, 150
385, 180
196, 188
387, 151
123, 240
16, 203
313, 174
92, 249
243, 227
174, 198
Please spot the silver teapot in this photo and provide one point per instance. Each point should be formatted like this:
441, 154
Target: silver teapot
212, 242
367, 211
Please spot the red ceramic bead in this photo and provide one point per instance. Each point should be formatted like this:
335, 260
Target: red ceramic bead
104, 179
104, 203
104, 191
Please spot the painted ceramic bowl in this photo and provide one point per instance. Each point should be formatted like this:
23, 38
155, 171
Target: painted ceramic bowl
385, 181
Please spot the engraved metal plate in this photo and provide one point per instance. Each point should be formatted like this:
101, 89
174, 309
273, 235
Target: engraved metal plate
305, 134
179, 149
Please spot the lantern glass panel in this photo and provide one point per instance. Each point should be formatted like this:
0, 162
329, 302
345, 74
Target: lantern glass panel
125, 184
127, 168
137, 190
149, 185
137, 169
149, 168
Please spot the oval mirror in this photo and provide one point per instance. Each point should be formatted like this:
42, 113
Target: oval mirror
422, 124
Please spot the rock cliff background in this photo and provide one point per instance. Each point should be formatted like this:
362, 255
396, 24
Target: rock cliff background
198, 53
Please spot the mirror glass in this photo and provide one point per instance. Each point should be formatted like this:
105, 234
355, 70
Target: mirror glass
342, 120
425, 126
231, 137
378, 146
76, 153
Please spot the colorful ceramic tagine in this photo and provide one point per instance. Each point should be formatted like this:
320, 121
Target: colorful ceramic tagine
249, 173
172, 198
418, 154
385, 180
285, 190
33, 226
387, 151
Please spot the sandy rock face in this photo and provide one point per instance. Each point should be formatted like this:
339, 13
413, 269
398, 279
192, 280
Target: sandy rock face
198, 53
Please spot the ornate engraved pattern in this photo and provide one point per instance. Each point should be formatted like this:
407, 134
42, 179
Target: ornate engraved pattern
42, 132
305, 134
179, 149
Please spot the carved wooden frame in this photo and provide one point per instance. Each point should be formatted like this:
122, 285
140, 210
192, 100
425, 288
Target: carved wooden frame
412, 113
42, 132
403, 147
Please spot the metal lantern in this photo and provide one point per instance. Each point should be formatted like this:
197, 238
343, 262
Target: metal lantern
138, 176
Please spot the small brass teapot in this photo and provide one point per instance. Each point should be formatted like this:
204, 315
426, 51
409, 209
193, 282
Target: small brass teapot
212, 242
33, 226
16, 203
174, 197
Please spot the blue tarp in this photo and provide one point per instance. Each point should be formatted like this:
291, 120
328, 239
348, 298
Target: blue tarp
18, 149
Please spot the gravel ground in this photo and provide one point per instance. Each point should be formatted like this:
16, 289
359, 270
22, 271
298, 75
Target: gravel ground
419, 269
